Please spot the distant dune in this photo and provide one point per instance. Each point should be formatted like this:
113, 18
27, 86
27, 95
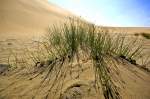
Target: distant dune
28, 16
129, 29
34, 16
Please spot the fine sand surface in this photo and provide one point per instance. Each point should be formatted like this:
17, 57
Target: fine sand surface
28, 16
24, 22
132, 83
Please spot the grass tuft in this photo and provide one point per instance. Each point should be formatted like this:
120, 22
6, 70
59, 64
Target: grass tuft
146, 35
64, 44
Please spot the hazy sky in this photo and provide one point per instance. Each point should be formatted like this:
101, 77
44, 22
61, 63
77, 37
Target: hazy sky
110, 12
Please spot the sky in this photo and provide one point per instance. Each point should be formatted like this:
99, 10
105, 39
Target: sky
122, 13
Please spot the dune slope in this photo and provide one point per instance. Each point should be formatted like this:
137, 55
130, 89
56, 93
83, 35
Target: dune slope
21, 21
28, 16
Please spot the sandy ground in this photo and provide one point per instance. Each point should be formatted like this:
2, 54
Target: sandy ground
132, 82
23, 23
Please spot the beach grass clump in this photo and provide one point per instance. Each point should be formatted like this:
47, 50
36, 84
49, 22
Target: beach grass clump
83, 36
127, 48
136, 34
100, 46
64, 44
146, 35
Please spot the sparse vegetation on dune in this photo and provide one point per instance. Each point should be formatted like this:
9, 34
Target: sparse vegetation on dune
146, 35
143, 34
65, 44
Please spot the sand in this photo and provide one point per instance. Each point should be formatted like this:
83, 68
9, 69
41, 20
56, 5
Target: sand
27, 17
24, 22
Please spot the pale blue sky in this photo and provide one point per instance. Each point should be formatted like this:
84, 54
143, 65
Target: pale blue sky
110, 12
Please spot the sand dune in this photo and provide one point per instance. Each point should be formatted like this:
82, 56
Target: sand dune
34, 16
22, 22
28, 16
130, 30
